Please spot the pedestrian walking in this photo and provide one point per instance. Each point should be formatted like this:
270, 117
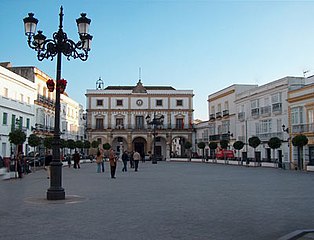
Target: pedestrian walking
125, 159
48, 160
68, 158
19, 165
99, 161
113, 163
76, 159
136, 158
131, 160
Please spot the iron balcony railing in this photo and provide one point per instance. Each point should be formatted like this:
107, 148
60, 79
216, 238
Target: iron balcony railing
303, 128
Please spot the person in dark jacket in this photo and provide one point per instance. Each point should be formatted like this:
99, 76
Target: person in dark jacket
48, 160
76, 159
125, 159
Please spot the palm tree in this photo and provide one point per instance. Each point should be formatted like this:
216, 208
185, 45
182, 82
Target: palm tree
300, 141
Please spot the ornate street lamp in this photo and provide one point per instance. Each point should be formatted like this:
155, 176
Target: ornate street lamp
49, 48
156, 121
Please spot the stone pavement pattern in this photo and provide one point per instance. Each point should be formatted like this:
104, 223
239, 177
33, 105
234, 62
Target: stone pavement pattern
162, 201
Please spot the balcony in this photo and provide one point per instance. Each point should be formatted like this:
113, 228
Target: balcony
218, 115
264, 137
266, 111
255, 112
277, 108
303, 128
241, 116
218, 137
212, 117
225, 113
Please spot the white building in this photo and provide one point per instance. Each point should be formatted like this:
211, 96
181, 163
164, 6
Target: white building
261, 112
223, 113
40, 104
118, 115
17, 109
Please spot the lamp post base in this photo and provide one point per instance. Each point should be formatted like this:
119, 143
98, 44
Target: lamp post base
55, 192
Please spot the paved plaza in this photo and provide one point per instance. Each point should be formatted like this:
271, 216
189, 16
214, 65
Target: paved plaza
168, 200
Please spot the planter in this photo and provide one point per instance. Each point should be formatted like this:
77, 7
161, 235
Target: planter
310, 168
50, 85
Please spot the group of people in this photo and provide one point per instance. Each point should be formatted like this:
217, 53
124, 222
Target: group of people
133, 158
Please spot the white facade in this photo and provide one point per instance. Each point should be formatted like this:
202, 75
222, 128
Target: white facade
118, 116
17, 96
24, 95
223, 113
261, 112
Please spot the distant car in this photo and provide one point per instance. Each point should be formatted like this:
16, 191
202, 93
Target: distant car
37, 161
223, 153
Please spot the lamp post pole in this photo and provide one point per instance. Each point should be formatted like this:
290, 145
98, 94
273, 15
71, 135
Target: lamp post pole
60, 44
156, 121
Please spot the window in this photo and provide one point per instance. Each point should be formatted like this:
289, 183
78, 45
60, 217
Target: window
99, 102
179, 123
310, 114
28, 123
296, 115
99, 123
99, 140
226, 105
225, 126
119, 102
119, 122
28, 100
212, 109
219, 107
276, 98
180, 102
254, 104
5, 118
139, 122
211, 129
21, 98
6, 92
159, 102
265, 126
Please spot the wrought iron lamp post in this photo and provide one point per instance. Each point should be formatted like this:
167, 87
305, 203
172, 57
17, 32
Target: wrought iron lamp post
50, 48
156, 121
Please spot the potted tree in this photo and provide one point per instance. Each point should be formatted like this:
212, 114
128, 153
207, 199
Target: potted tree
201, 145
254, 142
238, 145
187, 146
212, 146
224, 145
17, 137
34, 141
300, 141
275, 143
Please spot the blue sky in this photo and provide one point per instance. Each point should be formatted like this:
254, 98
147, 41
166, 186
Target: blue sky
204, 46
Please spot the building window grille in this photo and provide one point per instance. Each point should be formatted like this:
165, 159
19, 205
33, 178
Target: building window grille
99, 123
99, 102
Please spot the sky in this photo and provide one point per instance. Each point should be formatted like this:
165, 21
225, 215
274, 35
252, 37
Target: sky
203, 46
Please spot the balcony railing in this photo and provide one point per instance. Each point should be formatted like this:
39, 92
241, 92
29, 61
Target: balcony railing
266, 111
212, 117
303, 128
217, 137
267, 136
140, 127
218, 114
45, 100
255, 112
225, 113
277, 107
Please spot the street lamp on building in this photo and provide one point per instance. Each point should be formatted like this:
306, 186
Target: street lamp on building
155, 122
50, 48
